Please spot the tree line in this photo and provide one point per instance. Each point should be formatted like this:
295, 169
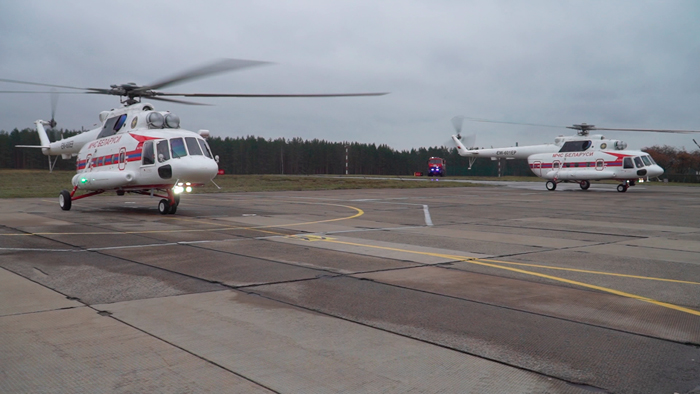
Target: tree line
257, 155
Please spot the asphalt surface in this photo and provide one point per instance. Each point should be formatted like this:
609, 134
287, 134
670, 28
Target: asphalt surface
487, 289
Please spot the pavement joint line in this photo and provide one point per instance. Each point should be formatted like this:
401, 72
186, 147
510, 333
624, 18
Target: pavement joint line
560, 230
484, 262
65, 308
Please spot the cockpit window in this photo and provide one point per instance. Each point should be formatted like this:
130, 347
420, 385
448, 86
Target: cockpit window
163, 153
193, 146
205, 148
646, 160
627, 162
575, 146
638, 162
177, 147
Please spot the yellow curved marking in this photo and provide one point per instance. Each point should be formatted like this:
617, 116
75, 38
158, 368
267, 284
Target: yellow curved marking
483, 262
359, 212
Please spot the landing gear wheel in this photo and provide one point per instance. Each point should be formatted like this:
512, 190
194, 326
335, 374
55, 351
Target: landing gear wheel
621, 188
173, 209
551, 185
585, 185
64, 200
164, 207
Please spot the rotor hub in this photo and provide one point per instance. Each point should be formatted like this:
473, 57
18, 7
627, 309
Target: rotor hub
582, 128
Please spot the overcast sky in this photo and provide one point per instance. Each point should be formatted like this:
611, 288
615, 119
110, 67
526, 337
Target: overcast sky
629, 64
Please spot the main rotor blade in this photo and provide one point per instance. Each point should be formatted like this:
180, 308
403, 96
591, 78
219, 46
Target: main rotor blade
217, 67
651, 130
176, 101
34, 91
516, 123
270, 95
90, 90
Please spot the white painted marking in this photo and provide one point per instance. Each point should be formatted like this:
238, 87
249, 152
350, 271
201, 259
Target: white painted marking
428, 221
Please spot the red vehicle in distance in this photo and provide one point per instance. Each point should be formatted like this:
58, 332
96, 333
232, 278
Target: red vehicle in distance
437, 166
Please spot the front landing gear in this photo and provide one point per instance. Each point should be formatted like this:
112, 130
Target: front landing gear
64, 200
164, 207
622, 187
169, 205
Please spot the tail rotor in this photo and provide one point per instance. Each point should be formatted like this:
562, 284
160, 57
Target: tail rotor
457, 122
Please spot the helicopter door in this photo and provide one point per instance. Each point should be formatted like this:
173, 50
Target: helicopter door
147, 156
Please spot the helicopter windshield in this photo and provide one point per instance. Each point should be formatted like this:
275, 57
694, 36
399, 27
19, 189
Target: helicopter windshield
177, 147
575, 146
193, 146
205, 148
163, 151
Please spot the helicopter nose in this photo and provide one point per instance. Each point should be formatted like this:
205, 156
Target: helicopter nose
195, 169
654, 171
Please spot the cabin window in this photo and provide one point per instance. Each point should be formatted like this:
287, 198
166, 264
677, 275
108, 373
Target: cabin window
205, 148
122, 157
193, 146
555, 164
112, 125
177, 147
163, 153
638, 162
575, 146
147, 155
599, 164
646, 160
627, 162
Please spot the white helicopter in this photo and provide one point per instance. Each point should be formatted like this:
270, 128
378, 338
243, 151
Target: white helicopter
137, 149
580, 158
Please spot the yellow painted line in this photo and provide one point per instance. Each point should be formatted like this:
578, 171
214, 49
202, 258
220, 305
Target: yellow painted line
481, 262
593, 272
359, 212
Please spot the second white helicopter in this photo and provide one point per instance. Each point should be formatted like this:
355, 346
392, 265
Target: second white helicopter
580, 158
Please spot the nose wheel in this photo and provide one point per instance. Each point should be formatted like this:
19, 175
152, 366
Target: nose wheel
169, 205
622, 188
